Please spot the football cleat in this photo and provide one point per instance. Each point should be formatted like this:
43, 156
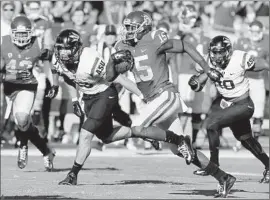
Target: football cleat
225, 187
48, 161
265, 178
22, 157
201, 172
186, 149
71, 179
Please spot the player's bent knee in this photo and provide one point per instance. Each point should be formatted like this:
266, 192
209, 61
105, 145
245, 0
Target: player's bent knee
23, 120
137, 131
257, 125
91, 125
212, 127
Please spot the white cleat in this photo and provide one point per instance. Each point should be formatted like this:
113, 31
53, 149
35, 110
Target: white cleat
48, 160
22, 157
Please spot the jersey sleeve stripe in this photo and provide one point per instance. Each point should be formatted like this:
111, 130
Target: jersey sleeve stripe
94, 66
244, 60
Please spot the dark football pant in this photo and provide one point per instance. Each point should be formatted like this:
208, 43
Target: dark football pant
236, 117
98, 109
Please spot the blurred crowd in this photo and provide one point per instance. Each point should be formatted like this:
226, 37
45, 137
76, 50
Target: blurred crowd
99, 23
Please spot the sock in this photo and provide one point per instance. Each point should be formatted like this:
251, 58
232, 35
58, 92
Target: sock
200, 160
62, 118
214, 143
217, 173
76, 168
22, 136
255, 148
39, 142
194, 135
171, 137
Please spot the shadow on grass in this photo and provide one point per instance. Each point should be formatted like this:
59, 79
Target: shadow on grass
136, 182
83, 169
37, 197
207, 192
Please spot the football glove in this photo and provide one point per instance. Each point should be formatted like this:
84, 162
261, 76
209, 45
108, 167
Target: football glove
214, 74
195, 84
53, 92
46, 54
123, 61
77, 109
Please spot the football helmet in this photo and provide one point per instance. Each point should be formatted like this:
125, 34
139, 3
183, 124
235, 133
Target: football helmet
21, 31
187, 17
220, 51
256, 31
68, 47
135, 25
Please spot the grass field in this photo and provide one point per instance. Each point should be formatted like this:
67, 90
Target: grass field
123, 174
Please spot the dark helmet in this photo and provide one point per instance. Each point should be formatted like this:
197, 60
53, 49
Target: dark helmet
220, 51
21, 31
68, 46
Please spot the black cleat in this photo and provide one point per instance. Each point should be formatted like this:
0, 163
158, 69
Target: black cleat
225, 187
201, 172
265, 178
22, 157
71, 179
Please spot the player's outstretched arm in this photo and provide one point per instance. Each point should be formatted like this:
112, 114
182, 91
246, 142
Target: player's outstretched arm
260, 65
180, 46
129, 85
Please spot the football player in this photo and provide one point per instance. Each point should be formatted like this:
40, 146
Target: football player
42, 29
19, 54
233, 108
163, 102
256, 45
85, 69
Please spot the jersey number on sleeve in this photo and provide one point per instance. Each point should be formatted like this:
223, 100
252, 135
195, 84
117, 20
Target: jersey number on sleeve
144, 72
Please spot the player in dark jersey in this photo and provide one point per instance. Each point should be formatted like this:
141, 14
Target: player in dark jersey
19, 54
256, 44
151, 73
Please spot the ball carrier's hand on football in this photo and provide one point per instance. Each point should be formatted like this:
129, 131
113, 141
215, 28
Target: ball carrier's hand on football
214, 74
197, 82
123, 61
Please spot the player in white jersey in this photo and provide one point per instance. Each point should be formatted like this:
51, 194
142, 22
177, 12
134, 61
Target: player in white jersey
85, 69
233, 108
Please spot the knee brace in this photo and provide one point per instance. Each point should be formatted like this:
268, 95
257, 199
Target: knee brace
257, 125
23, 120
196, 121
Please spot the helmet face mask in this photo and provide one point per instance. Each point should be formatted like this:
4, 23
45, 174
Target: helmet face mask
21, 31
67, 47
136, 25
220, 51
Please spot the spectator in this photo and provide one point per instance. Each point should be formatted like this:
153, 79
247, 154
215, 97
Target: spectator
8, 11
78, 22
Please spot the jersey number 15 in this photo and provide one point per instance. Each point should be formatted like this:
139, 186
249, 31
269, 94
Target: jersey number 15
144, 72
